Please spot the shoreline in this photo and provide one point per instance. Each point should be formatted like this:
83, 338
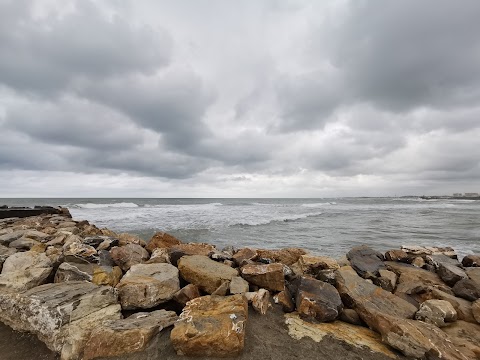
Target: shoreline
284, 294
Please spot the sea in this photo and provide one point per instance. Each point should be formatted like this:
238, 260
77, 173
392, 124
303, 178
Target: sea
327, 226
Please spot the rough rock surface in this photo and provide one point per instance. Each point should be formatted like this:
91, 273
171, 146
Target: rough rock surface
62, 315
74, 272
451, 274
471, 260
366, 261
260, 300
244, 255
25, 270
238, 285
162, 240
284, 298
476, 310
287, 256
387, 280
396, 255
474, 274
204, 272
467, 289
317, 300
147, 285
211, 326
268, 276
466, 337
5, 252
106, 275
128, 255
186, 294
436, 312
126, 336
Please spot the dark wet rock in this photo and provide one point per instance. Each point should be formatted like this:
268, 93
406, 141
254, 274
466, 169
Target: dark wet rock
101, 242
174, 255
467, 289
269, 276
127, 256
327, 276
366, 261
451, 274
396, 255
471, 260
436, 312
211, 326
317, 300
387, 280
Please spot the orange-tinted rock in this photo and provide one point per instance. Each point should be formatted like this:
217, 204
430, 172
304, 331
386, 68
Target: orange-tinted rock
186, 294
211, 326
125, 239
243, 255
466, 337
396, 255
128, 255
286, 256
285, 299
260, 300
436, 312
106, 275
162, 240
194, 249
269, 276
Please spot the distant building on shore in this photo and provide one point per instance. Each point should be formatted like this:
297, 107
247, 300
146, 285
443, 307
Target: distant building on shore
457, 195
471, 194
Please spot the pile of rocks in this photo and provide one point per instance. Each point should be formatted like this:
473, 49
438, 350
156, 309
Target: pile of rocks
91, 293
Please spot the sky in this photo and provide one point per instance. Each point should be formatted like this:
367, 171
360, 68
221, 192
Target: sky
250, 98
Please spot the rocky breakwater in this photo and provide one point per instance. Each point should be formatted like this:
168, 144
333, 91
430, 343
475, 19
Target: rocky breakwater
90, 293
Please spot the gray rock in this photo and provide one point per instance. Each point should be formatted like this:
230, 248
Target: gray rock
74, 272
238, 285
476, 310
366, 261
5, 252
129, 255
25, 270
23, 244
467, 289
451, 274
436, 312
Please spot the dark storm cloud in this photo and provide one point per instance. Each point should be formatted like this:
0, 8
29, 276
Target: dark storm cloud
41, 55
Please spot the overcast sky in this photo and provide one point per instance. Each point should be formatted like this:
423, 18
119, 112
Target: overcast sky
220, 98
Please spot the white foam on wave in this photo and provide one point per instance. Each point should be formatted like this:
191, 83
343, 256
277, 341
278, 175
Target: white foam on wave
276, 219
102, 206
316, 205
184, 206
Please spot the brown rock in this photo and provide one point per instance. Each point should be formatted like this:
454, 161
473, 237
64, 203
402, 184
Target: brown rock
476, 310
474, 274
451, 274
429, 250
387, 280
211, 326
285, 299
316, 300
222, 289
159, 256
466, 337
106, 275
125, 239
350, 316
260, 300
238, 285
74, 272
471, 260
243, 255
25, 270
418, 262
366, 261
162, 240
467, 289
269, 276
147, 285
436, 312
127, 336
204, 272
194, 249
287, 256
396, 255
128, 255
311, 265
76, 251
186, 294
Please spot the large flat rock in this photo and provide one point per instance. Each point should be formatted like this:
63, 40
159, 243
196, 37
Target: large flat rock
25, 270
268, 276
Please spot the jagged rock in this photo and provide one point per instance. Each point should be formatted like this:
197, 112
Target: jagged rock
285, 299
238, 285
466, 337
106, 275
127, 336
62, 315
105, 259
9, 237
312, 265
40, 247
74, 272
220, 256
222, 289
359, 293
476, 310
55, 255
159, 256
317, 300
451, 274
467, 289
413, 338
387, 280
366, 261
287, 256
327, 276
211, 326
174, 255
5, 252
412, 279
436, 312
429, 250
75, 251
125, 239
356, 336
162, 240
471, 260
186, 294
129, 255
396, 255
205, 273
147, 285
23, 244
243, 255
269, 276
461, 306
418, 262
260, 300
437, 260
350, 316
59, 239
25, 270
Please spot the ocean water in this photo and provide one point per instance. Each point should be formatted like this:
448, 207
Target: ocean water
322, 226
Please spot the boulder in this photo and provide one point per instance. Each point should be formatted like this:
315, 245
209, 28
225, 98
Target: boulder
9, 237
387, 280
451, 274
317, 300
159, 256
312, 265
467, 289
106, 275
418, 262
284, 298
436, 312
222, 290
101, 242
466, 337
127, 336
268, 276
238, 285
327, 276
211, 326
5, 252
147, 285
471, 260
260, 300
242, 256
75, 251
129, 255
125, 239
162, 240
359, 293
474, 274
366, 261
24, 244
186, 294
204, 272
429, 250
396, 255
476, 310
287, 256
62, 315
25, 270
74, 272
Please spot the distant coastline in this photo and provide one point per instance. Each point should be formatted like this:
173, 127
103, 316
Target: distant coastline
450, 197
